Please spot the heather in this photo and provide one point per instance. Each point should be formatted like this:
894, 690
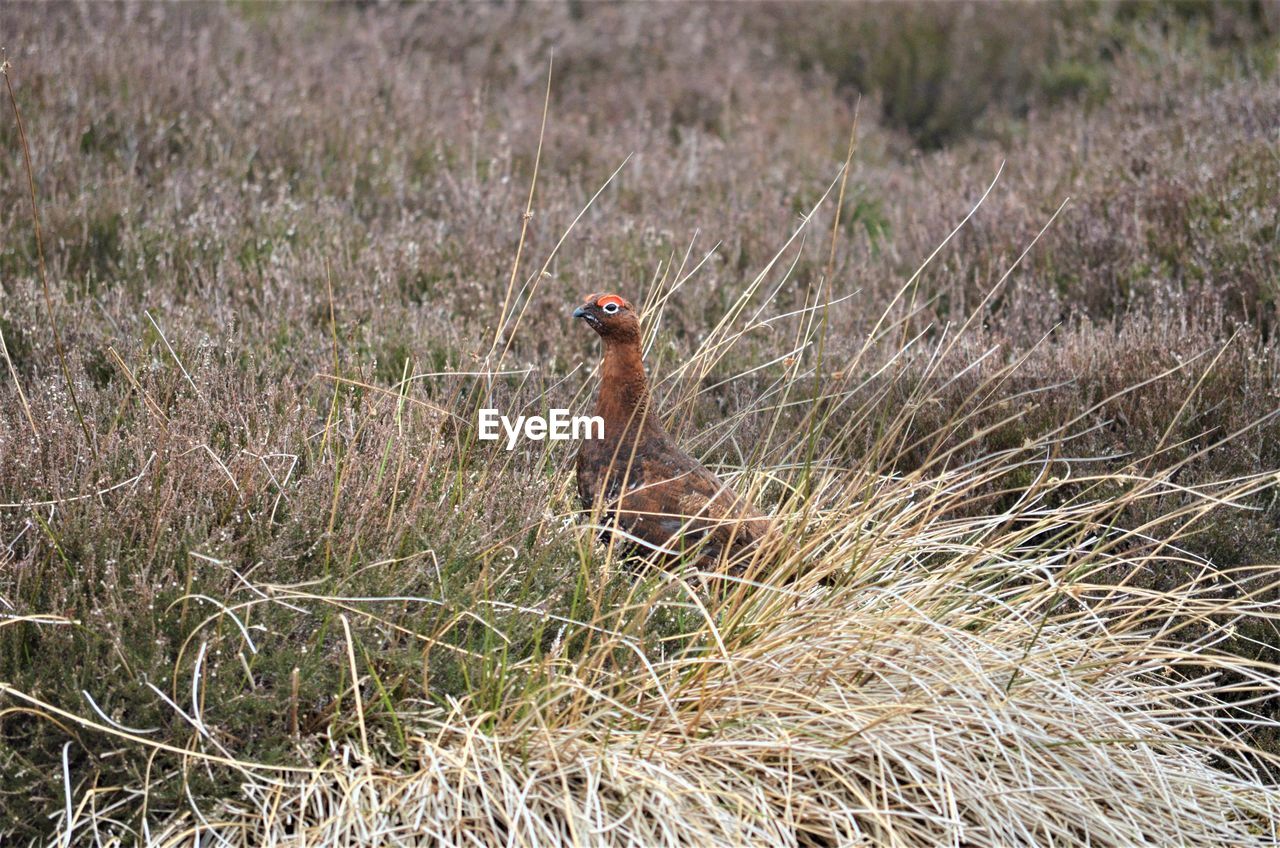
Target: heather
259, 579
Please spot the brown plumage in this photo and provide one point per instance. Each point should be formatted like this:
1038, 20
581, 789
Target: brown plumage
638, 475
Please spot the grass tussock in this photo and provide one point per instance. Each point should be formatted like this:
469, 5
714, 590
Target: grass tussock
261, 583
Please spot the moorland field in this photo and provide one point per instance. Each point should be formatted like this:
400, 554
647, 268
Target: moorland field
979, 301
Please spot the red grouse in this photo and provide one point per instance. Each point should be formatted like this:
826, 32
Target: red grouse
660, 497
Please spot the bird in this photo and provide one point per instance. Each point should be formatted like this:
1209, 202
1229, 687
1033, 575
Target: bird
643, 483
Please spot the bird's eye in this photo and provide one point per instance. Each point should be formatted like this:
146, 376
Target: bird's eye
610, 308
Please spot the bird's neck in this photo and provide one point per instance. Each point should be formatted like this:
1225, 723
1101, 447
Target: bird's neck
624, 392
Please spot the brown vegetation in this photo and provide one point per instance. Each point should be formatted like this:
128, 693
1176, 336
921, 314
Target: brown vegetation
279, 246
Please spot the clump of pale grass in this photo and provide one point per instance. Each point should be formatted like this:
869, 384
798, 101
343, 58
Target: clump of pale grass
962, 683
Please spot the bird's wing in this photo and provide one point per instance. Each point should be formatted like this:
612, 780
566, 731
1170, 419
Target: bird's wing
675, 501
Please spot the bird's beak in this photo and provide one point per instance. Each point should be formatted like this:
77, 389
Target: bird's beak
580, 312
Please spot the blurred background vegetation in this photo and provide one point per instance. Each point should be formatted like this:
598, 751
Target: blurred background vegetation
944, 72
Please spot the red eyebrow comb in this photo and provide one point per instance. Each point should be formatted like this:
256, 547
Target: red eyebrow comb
610, 298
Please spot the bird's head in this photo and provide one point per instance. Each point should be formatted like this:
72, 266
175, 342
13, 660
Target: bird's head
612, 316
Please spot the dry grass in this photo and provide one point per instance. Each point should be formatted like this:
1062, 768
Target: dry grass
267, 586
927, 677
